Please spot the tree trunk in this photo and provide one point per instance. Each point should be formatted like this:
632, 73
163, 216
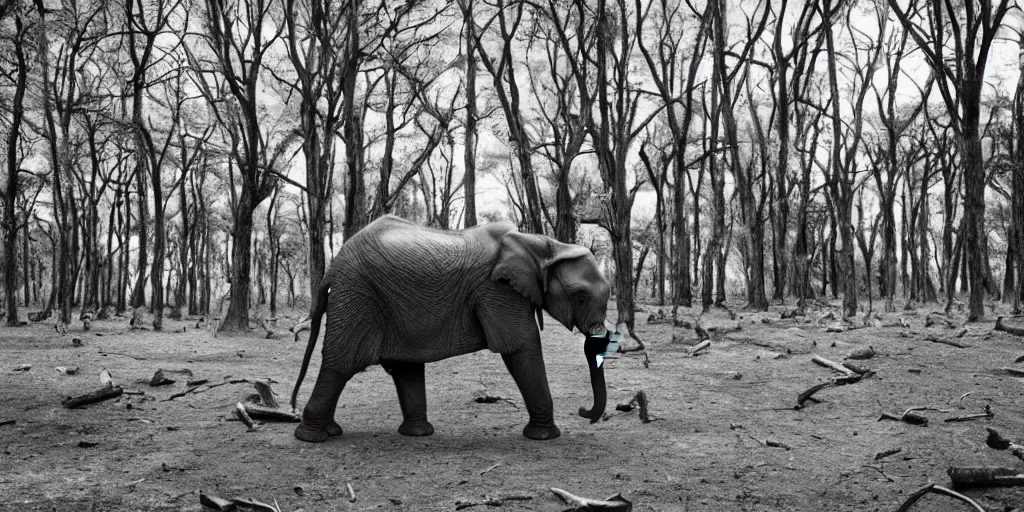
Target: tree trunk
10, 221
237, 317
469, 179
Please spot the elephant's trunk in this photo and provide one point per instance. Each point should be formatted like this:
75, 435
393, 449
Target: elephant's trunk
593, 347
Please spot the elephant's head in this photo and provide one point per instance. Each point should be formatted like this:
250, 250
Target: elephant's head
565, 281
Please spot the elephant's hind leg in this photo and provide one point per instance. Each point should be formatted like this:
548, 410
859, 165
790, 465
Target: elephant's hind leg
527, 368
412, 396
318, 415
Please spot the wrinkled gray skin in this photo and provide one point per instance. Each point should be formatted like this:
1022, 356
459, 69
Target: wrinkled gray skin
401, 295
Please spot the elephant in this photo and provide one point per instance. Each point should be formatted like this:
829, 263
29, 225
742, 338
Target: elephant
400, 295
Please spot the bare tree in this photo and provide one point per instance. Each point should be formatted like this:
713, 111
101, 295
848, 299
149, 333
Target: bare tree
973, 25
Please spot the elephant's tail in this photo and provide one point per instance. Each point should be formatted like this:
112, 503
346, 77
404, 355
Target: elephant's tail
319, 306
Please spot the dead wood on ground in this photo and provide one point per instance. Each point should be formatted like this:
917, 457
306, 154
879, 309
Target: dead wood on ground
968, 417
935, 318
997, 441
909, 416
266, 394
614, 503
271, 413
700, 346
932, 488
821, 361
639, 400
105, 393
970, 477
1014, 330
934, 338
244, 417
159, 379
496, 501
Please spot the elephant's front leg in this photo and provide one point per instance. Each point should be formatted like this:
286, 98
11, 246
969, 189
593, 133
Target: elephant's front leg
412, 396
318, 415
527, 368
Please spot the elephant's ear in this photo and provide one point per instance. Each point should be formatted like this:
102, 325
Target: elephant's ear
519, 263
561, 252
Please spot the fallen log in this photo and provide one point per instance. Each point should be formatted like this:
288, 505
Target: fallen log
934, 338
968, 417
614, 503
639, 400
497, 501
271, 413
215, 502
821, 361
908, 416
932, 488
1001, 326
837, 381
970, 477
266, 394
935, 318
159, 379
996, 441
700, 346
105, 393
1012, 372
243, 416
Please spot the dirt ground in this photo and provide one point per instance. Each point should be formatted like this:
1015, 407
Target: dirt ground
704, 451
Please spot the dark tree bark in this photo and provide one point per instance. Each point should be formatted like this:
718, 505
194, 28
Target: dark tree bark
10, 221
960, 78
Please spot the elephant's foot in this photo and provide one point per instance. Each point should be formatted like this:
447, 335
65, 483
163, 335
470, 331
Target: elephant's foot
309, 434
541, 432
416, 428
333, 429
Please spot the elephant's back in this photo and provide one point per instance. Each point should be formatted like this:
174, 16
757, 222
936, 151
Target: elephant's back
414, 285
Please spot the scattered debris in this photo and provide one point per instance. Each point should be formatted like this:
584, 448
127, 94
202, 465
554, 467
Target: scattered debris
887, 453
821, 361
105, 354
266, 394
488, 470
1019, 359
862, 353
23, 368
105, 378
39, 316
918, 494
1012, 372
909, 416
658, 317
107, 392
638, 400
967, 417
968, 477
244, 417
614, 503
700, 346
271, 413
87, 444
936, 318
856, 368
223, 505
63, 370
76, 342
196, 382
1002, 326
4, 423
776, 444
945, 341
351, 493
996, 441
491, 399
200, 389
159, 379
488, 501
